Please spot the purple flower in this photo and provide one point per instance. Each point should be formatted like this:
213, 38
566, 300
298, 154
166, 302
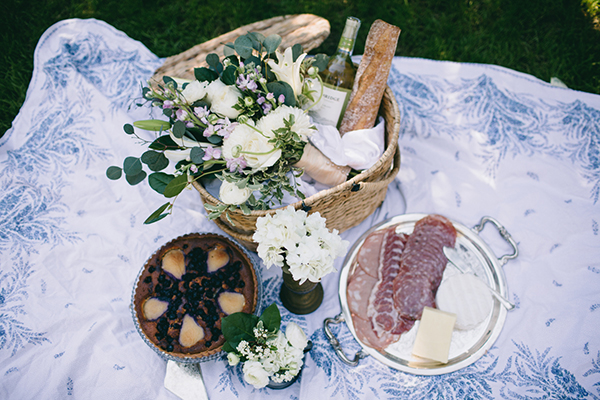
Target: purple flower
260, 100
236, 164
281, 98
267, 107
209, 131
202, 113
211, 152
181, 114
246, 83
194, 168
270, 96
168, 104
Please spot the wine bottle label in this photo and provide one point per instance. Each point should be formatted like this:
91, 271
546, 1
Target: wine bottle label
330, 109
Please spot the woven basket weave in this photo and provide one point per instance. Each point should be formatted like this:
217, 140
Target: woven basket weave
343, 206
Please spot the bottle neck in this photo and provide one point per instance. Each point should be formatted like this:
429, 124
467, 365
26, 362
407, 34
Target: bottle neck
346, 44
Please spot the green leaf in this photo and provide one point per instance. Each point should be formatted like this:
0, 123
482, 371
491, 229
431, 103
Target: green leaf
179, 129
321, 61
253, 59
296, 51
152, 125
159, 181
196, 155
135, 179
204, 74
176, 186
114, 173
271, 43
243, 46
229, 50
164, 143
128, 128
215, 139
237, 327
228, 76
167, 79
158, 214
132, 166
213, 60
245, 209
271, 318
282, 88
154, 160
227, 348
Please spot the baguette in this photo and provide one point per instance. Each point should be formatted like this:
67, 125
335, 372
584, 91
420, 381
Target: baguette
371, 77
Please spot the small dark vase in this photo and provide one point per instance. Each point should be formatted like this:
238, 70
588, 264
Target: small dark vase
283, 385
300, 298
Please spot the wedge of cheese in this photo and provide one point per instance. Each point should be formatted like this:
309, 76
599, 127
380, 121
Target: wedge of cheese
434, 335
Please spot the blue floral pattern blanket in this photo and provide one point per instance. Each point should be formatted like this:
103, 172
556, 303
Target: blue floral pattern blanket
475, 140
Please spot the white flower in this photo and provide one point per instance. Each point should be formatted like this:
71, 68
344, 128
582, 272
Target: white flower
222, 98
178, 155
194, 91
254, 146
233, 359
255, 374
274, 120
287, 70
229, 193
296, 336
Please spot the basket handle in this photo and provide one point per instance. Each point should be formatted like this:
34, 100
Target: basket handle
335, 343
505, 235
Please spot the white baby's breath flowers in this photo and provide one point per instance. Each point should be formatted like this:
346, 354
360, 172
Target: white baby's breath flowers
299, 241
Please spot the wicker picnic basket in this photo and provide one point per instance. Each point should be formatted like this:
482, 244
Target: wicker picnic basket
343, 206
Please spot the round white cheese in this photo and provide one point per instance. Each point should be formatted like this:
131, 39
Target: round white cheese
466, 296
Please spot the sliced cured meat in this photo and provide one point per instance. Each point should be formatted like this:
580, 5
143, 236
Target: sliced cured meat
369, 253
359, 290
381, 310
422, 265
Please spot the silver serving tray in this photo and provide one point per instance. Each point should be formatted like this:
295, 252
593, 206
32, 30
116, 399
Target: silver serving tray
467, 346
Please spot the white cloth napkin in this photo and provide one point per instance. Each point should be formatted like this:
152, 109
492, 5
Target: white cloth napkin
358, 149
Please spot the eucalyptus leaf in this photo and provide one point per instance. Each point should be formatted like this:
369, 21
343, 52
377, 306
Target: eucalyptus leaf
176, 186
229, 50
243, 46
128, 128
204, 74
179, 129
158, 214
114, 173
215, 139
283, 88
233, 59
132, 166
163, 143
257, 39
271, 318
321, 61
296, 51
167, 79
253, 59
155, 160
135, 179
228, 76
159, 181
196, 155
213, 60
271, 43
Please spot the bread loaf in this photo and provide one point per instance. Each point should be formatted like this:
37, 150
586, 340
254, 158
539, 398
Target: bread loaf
371, 77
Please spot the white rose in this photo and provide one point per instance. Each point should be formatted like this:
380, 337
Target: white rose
194, 91
256, 149
233, 359
255, 374
231, 194
296, 336
287, 70
222, 98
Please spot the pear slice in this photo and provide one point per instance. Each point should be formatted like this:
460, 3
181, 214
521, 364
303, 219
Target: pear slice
154, 308
231, 302
173, 262
217, 258
190, 333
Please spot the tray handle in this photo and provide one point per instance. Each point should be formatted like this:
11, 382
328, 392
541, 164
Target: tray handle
505, 235
335, 343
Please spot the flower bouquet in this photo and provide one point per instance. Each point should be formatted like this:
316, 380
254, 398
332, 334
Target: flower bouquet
270, 357
243, 120
304, 248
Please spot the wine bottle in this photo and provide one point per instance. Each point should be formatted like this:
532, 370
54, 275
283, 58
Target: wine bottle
338, 79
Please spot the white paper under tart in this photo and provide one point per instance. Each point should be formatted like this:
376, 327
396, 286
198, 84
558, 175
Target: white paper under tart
434, 335
185, 381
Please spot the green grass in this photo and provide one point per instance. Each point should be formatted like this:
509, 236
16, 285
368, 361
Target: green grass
544, 38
